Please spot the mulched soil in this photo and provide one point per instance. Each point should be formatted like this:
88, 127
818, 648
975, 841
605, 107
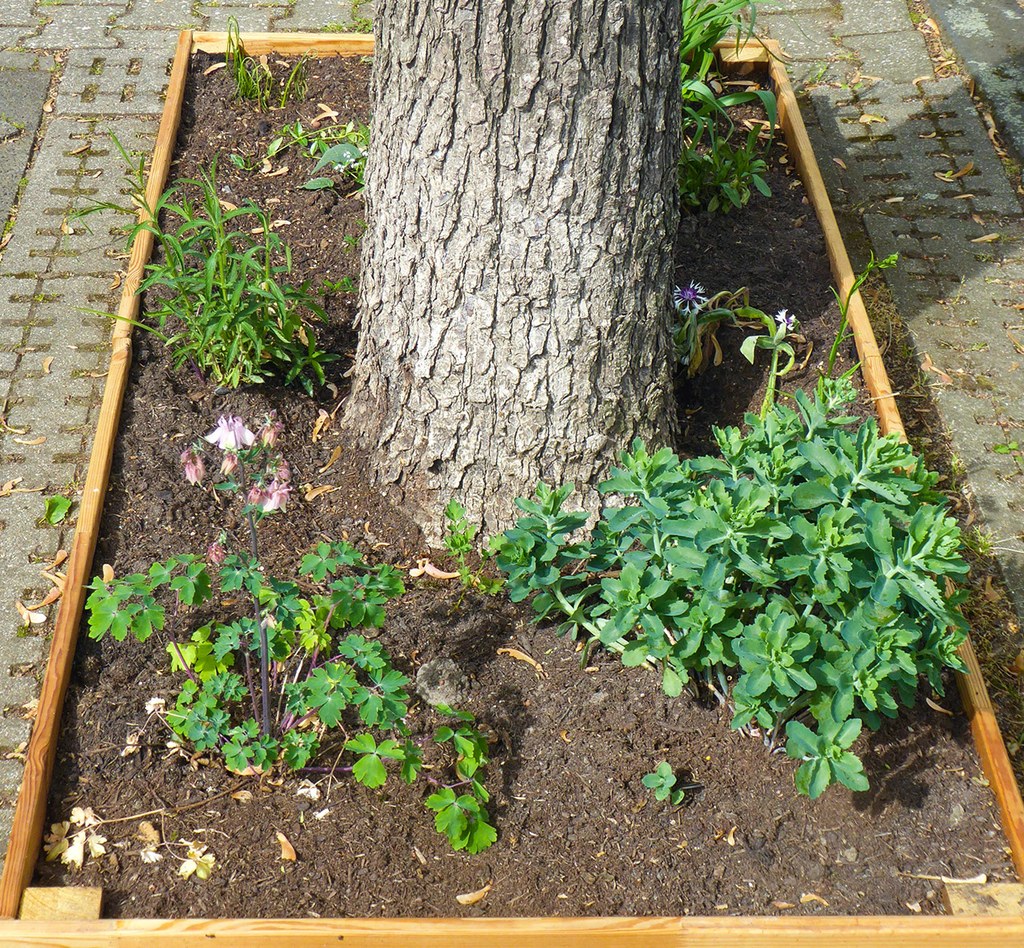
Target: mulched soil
578, 833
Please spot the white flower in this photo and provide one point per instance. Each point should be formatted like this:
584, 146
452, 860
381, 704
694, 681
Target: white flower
231, 434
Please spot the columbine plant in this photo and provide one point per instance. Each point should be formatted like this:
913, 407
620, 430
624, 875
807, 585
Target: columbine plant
806, 566
321, 685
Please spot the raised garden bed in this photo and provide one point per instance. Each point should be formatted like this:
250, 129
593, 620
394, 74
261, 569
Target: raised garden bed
490, 630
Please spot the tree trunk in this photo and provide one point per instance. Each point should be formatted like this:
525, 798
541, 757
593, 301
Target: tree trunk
521, 205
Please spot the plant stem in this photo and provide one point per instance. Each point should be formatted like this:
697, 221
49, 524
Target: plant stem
264, 644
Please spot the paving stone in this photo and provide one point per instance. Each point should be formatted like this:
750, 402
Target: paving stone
899, 57
74, 27
316, 14
171, 14
873, 17
112, 81
251, 19
803, 35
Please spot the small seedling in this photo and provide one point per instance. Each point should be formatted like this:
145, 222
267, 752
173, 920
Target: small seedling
459, 539
663, 782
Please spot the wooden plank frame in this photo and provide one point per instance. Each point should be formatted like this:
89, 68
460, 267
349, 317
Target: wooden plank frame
769, 932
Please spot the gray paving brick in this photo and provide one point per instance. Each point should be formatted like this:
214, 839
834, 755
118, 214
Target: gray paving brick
803, 35
251, 19
316, 14
171, 15
112, 81
873, 17
74, 27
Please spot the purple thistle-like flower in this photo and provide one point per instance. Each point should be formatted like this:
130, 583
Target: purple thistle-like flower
688, 299
785, 320
271, 430
195, 468
231, 434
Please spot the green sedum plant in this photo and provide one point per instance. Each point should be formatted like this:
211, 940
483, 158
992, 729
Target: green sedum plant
293, 671
806, 564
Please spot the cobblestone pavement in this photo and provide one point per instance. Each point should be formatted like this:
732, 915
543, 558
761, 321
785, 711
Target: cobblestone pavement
907, 159
72, 71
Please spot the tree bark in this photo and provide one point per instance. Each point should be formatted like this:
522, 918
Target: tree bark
521, 205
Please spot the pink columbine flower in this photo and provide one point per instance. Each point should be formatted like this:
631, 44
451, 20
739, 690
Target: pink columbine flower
276, 496
271, 430
231, 434
230, 463
283, 473
215, 553
195, 469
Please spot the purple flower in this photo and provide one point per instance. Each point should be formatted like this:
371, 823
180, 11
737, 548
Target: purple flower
231, 434
689, 299
785, 320
195, 469
271, 429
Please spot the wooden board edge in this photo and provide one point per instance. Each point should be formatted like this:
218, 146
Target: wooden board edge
60, 903
993, 900
995, 760
296, 44
772, 932
30, 812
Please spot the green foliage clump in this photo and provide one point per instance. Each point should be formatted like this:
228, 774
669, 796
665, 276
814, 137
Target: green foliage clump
329, 679
717, 170
806, 563
253, 79
460, 542
221, 274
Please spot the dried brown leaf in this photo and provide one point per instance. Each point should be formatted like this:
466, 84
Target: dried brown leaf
812, 897
313, 492
47, 362
30, 442
331, 461
322, 423
471, 898
935, 706
148, 833
209, 70
523, 657
986, 239
287, 849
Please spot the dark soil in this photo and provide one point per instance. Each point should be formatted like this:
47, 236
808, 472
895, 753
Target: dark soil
578, 832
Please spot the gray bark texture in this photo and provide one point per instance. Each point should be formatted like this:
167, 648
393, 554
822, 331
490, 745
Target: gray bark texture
522, 202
